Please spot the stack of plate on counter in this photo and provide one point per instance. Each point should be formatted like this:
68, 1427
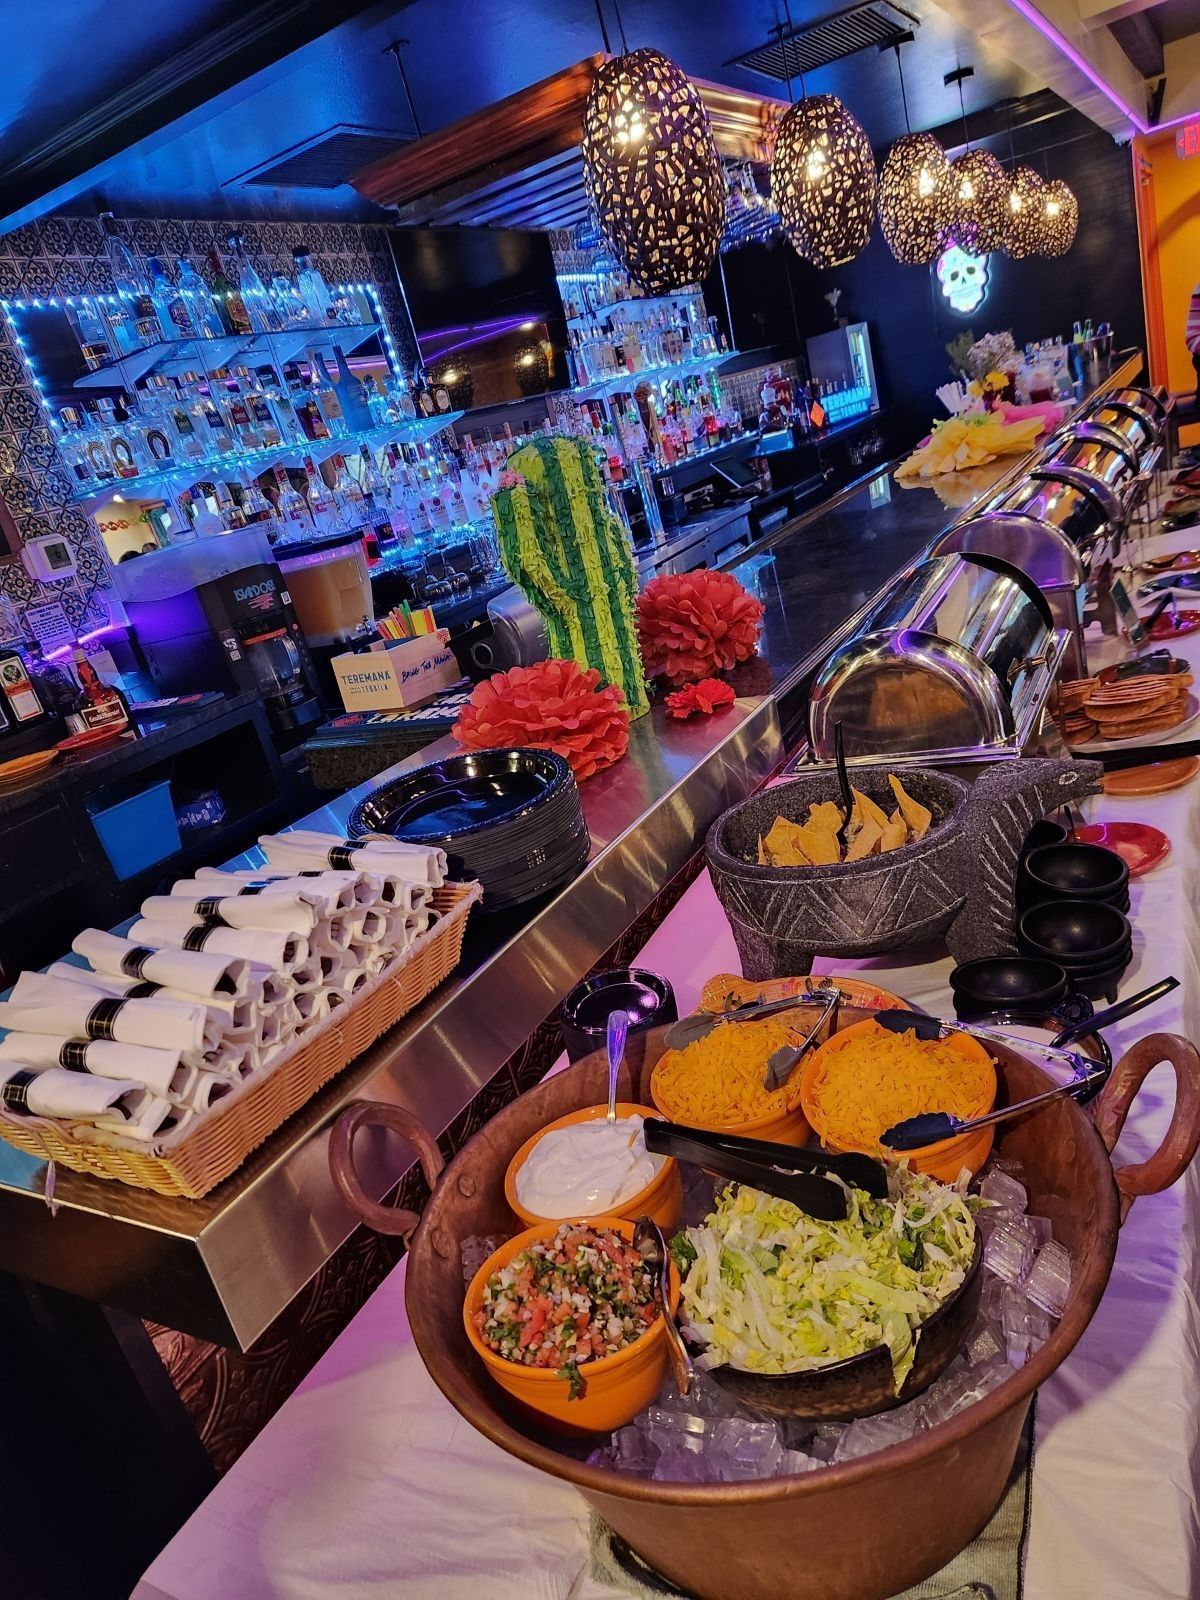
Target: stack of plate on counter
510, 818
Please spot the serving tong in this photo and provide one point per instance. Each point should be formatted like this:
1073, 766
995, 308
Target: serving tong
931, 1127
817, 1182
782, 1062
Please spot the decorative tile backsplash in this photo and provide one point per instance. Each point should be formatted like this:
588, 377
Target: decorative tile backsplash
65, 255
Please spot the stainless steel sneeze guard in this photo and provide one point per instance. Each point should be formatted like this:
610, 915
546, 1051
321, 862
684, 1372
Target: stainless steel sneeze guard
224, 1267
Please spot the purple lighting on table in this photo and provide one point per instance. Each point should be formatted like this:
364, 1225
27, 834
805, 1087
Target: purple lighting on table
1049, 31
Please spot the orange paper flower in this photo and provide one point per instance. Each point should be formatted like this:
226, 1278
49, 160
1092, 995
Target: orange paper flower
552, 705
701, 698
692, 624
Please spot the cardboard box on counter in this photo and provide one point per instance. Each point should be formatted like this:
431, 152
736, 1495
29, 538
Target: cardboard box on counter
389, 676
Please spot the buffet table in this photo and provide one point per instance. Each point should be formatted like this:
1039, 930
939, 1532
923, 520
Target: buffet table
369, 1482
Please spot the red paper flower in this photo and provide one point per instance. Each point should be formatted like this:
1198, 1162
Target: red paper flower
700, 699
550, 706
692, 624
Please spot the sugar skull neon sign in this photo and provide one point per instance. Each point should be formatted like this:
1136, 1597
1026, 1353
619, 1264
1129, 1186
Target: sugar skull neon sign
963, 278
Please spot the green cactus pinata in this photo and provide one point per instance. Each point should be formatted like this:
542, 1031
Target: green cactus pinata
572, 558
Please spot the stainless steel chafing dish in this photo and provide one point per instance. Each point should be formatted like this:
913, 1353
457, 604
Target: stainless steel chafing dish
952, 664
1105, 457
1127, 422
1151, 405
1056, 526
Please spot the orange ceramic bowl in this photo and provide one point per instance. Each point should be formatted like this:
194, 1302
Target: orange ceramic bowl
661, 1199
788, 1127
616, 1387
944, 1160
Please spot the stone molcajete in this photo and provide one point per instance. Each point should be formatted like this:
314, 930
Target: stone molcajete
958, 881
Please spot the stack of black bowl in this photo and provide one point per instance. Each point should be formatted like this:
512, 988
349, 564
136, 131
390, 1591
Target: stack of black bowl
1020, 985
510, 818
1073, 901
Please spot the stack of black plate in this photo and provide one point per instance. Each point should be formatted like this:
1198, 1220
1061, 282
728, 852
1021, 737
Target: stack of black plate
510, 818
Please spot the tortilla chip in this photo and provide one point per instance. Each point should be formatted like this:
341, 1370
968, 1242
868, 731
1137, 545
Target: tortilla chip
894, 835
865, 810
763, 860
917, 816
784, 846
825, 816
820, 846
866, 841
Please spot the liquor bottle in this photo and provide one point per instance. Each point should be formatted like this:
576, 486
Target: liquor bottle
202, 310
349, 502
259, 307
99, 705
72, 446
126, 449
229, 299
211, 422
288, 302
96, 340
290, 505
320, 501
169, 305
243, 424
400, 398
423, 399
353, 394
322, 392
312, 288
154, 412
132, 318
19, 697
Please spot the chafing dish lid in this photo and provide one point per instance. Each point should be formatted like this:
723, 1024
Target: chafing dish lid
1108, 457
1078, 507
1046, 553
938, 664
1129, 421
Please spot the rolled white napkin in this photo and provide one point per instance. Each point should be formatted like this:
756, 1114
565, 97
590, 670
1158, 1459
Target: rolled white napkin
193, 972
332, 891
368, 926
228, 1018
278, 950
332, 933
145, 1116
157, 1070
312, 974
304, 847
208, 1091
54, 1092
276, 986
287, 913
42, 1004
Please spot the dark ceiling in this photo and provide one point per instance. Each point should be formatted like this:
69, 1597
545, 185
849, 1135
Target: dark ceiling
233, 86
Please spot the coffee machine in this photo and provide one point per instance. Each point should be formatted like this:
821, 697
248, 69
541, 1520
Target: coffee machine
216, 614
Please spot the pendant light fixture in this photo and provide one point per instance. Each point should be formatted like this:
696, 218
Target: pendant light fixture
915, 189
980, 188
1060, 218
1026, 206
651, 169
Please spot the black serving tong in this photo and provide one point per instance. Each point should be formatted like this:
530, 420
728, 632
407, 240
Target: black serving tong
839, 756
1117, 1013
809, 1179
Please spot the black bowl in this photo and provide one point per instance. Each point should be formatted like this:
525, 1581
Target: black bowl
863, 1385
1014, 982
1076, 872
648, 998
1072, 932
1043, 833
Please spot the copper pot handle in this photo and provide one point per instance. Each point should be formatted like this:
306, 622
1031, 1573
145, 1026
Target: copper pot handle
1112, 1104
371, 1113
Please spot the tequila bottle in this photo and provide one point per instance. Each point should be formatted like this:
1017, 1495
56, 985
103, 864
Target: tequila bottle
131, 318
312, 289
258, 305
169, 305
201, 306
228, 298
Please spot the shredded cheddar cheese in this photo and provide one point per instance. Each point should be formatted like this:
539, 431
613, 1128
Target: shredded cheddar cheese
867, 1079
717, 1081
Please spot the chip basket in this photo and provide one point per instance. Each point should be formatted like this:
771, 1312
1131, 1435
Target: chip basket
217, 1144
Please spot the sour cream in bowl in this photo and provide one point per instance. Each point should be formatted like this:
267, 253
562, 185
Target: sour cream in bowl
582, 1165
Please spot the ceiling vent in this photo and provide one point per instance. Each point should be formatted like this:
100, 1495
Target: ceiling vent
829, 38
325, 161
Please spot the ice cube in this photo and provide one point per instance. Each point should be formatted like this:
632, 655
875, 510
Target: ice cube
795, 1461
633, 1450
676, 1429
1009, 1164
1042, 1227
745, 1449
1005, 1191
1015, 1323
1050, 1279
982, 1347
1039, 1329
867, 1434
826, 1440
993, 1217
681, 1465
1010, 1250
705, 1398
991, 1301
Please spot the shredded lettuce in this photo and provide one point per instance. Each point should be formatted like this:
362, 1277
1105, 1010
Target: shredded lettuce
769, 1289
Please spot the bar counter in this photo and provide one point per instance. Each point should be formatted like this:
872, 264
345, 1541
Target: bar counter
224, 1267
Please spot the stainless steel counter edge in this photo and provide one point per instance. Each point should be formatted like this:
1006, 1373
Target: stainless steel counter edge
224, 1267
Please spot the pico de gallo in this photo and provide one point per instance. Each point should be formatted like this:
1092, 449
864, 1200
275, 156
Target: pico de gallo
575, 1297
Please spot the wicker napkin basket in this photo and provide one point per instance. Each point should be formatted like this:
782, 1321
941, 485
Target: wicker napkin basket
216, 1145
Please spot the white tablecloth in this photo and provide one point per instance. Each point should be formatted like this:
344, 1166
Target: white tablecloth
367, 1483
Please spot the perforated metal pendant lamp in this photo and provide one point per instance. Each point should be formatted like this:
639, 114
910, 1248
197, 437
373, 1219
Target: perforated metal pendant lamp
823, 180
652, 172
916, 192
1023, 235
980, 202
1060, 218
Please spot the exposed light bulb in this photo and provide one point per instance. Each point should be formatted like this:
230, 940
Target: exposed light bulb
966, 190
925, 183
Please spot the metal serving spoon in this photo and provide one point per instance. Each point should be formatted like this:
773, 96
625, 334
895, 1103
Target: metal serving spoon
649, 1243
615, 1035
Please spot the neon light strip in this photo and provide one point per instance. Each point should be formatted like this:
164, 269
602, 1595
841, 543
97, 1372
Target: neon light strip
1049, 31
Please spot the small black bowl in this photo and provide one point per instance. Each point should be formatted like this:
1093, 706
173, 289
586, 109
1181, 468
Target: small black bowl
648, 998
1076, 872
1043, 833
1073, 932
1011, 982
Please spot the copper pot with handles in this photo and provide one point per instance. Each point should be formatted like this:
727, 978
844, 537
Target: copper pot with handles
903, 1512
